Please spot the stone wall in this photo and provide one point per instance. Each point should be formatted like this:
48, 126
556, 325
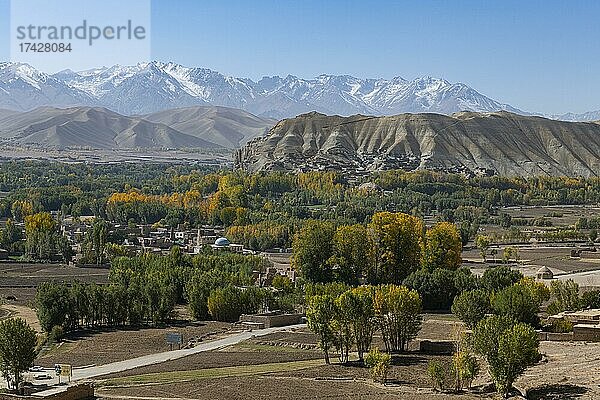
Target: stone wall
585, 332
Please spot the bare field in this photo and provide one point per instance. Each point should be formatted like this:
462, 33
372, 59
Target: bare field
32, 274
531, 258
24, 312
572, 371
102, 347
105, 156
19, 280
559, 215
274, 387
568, 371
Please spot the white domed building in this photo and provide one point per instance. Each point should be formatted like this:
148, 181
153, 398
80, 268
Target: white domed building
223, 244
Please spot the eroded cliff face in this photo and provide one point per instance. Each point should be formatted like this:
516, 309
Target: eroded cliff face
502, 143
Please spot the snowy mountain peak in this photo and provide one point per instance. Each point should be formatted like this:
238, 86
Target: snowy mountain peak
156, 85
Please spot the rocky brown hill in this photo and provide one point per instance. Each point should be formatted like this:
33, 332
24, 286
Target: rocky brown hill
498, 143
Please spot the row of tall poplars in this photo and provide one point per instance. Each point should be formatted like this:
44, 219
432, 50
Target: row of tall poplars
344, 317
81, 305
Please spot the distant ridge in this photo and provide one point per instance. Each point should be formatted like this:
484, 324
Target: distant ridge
100, 128
224, 126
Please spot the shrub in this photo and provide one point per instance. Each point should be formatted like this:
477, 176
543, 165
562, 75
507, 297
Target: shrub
379, 364
539, 291
465, 367
282, 283
591, 299
566, 295
561, 325
56, 334
438, 373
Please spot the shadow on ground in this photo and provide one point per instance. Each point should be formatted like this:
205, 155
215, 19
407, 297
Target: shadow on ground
404, 360
556, 392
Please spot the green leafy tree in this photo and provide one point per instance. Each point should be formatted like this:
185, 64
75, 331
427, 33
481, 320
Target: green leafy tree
467, 230
465, 280
398, 313
312, 248
497, 278
437, 289
228, 303
471, 306
358, 304
517, 350
40, 235
320, 314
11, 235
17, 349
353, 253
95, 242
53, 305
224, 304
539, 291
398, 241
517, 303
283, 283
590, 299
508, 348
342, 326
509, 253
483, 243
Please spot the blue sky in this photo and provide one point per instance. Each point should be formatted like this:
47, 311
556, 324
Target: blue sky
535, 55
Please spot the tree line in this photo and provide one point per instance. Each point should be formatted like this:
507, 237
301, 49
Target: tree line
146, 288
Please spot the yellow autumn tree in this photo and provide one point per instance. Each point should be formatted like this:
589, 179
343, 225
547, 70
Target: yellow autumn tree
398, 242
442, 247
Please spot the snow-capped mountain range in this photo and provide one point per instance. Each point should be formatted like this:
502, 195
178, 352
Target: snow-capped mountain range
150, 87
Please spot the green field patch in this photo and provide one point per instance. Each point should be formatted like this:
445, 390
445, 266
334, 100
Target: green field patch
192, 375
